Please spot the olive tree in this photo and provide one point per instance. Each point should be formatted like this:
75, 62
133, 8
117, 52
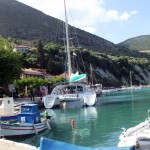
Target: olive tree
10, 63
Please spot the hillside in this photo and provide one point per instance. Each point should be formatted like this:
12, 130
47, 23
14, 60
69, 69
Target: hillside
111, 63
140, 43
20, 21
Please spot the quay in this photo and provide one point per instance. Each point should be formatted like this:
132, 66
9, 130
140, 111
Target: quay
11, 145
27, 100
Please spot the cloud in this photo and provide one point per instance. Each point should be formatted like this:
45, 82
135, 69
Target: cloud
114, 15
86, 13
90, 29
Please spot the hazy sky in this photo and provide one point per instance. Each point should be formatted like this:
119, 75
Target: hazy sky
114, 20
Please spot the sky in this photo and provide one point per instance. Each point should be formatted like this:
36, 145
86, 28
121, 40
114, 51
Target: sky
113, 20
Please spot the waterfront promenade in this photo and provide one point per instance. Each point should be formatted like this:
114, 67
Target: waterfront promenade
11, 145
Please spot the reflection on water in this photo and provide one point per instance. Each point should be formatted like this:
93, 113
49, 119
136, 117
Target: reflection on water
84, 131
90, 112
100, 125
85, 122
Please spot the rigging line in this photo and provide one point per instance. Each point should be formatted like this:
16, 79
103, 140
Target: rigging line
76, 37
60, 34
78, 64
65, 62
67, 41
94, 78
58, 30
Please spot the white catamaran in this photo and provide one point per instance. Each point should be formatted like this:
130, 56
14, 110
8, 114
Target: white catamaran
73, 92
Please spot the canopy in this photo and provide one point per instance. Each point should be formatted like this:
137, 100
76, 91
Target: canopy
77, 77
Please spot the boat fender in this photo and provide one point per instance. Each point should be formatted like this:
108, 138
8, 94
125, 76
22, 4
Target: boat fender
72, 123
48, 125
35, 130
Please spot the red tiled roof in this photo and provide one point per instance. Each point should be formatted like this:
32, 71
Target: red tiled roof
45, 74
64, 75
35, 71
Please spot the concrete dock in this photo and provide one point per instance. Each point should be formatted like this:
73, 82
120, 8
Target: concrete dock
27, 100
11, 145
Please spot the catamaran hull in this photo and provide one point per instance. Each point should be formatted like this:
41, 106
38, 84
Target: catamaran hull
51, 101
90, 99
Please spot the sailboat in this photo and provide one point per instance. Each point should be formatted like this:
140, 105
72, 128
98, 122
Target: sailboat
74, 93
131, 86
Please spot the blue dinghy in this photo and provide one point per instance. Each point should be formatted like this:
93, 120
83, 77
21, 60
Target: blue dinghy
49, 144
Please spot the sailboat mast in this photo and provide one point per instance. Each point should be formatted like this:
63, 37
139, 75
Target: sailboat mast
91, 74
130, 79
67, 41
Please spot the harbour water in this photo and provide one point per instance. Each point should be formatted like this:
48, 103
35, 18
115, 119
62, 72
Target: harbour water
98, 126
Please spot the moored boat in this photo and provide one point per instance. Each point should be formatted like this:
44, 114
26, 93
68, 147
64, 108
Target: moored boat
29, 122
47, 144
7, 109
79, 94
131, 136
73, 91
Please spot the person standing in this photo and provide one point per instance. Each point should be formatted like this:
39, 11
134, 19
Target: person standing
32, 94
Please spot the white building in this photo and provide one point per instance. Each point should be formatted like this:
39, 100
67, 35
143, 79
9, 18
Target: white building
34, 72
21, 48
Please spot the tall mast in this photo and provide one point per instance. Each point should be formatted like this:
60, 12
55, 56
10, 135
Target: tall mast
130, 79
91, 69
67, 41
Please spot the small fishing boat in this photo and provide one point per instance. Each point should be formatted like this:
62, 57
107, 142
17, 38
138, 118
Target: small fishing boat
47, 144
28, 122
138, 134
7, 109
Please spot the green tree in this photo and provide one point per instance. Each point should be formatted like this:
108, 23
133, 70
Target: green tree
51, 82
54, 58
29, 83
40, 55
10, 63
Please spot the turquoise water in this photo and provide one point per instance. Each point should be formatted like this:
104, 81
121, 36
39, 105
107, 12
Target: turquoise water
97, 126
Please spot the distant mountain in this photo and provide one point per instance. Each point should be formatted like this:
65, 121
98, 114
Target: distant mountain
20, 21
140, 43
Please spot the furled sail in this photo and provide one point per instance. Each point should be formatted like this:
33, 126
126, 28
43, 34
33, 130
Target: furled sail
76, 77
